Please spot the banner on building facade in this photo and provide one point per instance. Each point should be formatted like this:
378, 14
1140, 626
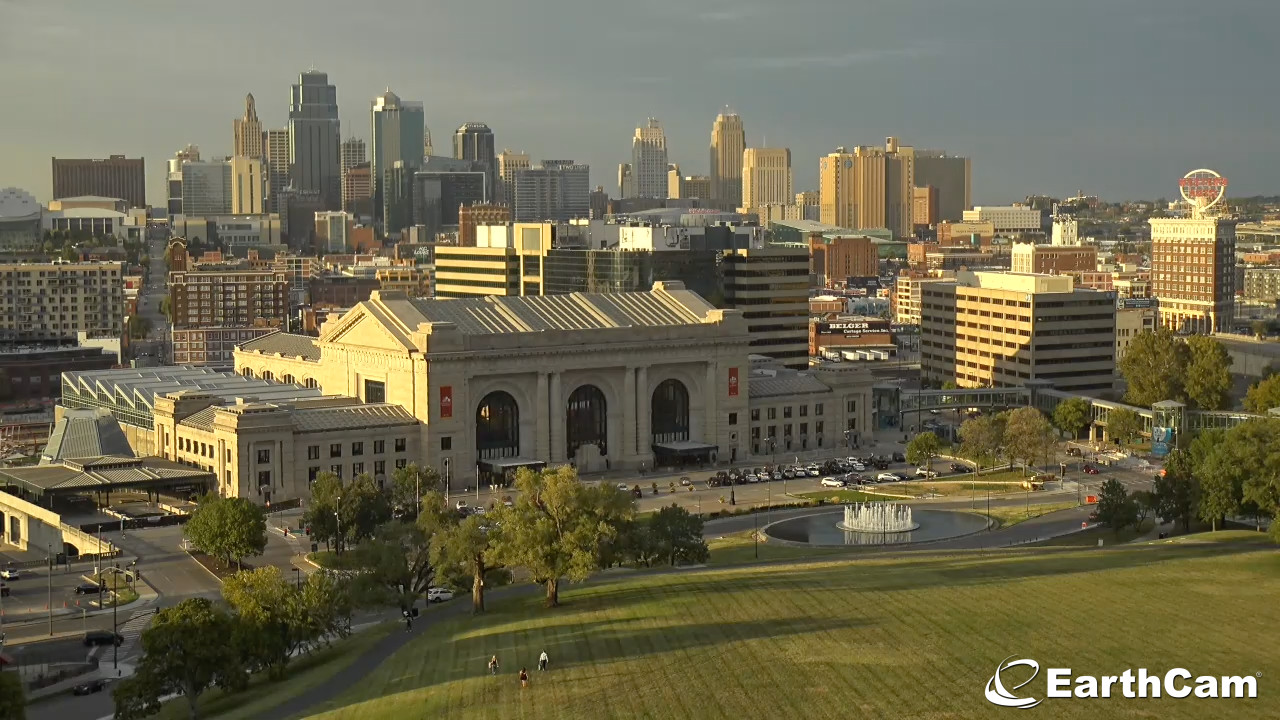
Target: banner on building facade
733, 382
446, 401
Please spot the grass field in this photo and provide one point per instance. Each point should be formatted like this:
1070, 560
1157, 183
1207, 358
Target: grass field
903, 636
1014, 514
1090, 537
305, 673
740, 548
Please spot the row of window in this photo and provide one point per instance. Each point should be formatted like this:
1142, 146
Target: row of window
357, 449
786, 411
379, 468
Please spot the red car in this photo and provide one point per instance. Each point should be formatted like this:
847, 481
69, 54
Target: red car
1091, 470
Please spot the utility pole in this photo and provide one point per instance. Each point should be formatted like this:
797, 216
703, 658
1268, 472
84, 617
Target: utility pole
115, 618
49, 578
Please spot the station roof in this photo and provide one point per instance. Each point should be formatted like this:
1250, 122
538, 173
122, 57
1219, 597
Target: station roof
138, 387
102, 474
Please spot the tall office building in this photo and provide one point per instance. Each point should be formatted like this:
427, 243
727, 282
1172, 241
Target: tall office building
397, 126
728, 141
57, 300
474, 141
952, 176
687, 187
206, 188
247, 130
766, 177
869, 188
1193, 273
314, 136
248, 185
187, 154
771, 288
437, 196
649, 162
352, 155
626, 182
508, 163
560, 190
427, 148
116, 177
275, 146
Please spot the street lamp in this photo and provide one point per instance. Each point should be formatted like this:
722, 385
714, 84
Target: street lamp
48, 551
297, 576
115, 618
337, 535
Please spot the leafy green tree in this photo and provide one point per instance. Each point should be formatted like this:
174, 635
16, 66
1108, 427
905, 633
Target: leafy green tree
1144, 506
1028, 436
325, 605
557, 526
1207, 379
1177, 490
923, 448
1259, 328
13, 702
396, 564
1263, 395
321, 515
268, 607
1154, 367
345, 514
675, 535
1072, 415
981, 439
188, 649
1123, 425
467, 547
1115, 508
409, 483
230, 529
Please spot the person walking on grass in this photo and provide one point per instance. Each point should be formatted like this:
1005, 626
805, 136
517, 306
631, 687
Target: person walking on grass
542, 661
524, 678
493, 665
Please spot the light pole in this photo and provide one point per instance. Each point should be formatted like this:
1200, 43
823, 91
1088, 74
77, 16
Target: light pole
115, 618
337, 518
297, 577
49, 578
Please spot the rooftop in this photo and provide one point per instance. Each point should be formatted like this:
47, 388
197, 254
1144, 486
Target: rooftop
137, 388
353, 416
101, 473
782, 382
286, 344
84, 433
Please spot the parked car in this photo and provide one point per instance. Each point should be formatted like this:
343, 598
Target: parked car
899, 457
89, 688
102, 637
734, 475
925, 473
902, 476
1073, 451
959, 467
10, 574
881, 464
685, 481
813, 472
1091, 470
88, 588
439, 595
832, 482
623, 487
461, 506
789, 474
886, 477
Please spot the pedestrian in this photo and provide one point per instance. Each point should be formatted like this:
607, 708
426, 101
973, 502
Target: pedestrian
493, 665
408, 621
524, 678
543, 660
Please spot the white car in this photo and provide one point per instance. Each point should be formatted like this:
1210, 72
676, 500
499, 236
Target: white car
813, 471
439, 595
925, 473
478, 511
832, 482
858, 467
461, 506
623, 487
10, 574
886, 477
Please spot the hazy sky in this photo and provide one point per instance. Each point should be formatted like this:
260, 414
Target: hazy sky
1113, 97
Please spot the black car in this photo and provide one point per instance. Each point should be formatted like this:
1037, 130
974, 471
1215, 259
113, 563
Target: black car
87, 589
958, 467
102, 637
899, 457
4, 591
90, 687
903, 476
882, 464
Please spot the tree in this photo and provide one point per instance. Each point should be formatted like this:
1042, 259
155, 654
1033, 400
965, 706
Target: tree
1123, 425
1028, 436
1263, 395
1259, 328
1072, 415
1154, 367
345, 514
230, 529
409, 483
1207, 378
1144, 505
923, 448
1115, 509
675, 535
981, 439
268, 607
188, 649
396, 564
467, 547
13, 701
320, 516
557, 525
1176, 489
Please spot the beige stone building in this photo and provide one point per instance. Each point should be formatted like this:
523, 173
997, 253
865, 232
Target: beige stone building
870, 187
47, 301
766, 178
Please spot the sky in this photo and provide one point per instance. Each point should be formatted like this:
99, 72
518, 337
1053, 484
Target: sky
1117, 98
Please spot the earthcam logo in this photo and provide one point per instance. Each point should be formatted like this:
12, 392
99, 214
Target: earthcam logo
1061, 683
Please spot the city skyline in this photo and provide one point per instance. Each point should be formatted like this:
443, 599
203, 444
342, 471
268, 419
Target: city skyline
1114, 120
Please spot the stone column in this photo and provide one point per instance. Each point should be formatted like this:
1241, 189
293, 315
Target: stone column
542, 445
629, 420
644, 425
710, 413
556, 413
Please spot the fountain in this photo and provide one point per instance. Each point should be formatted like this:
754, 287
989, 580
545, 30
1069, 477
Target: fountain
877, 517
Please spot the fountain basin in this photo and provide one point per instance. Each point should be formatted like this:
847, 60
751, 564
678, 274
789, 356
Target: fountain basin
823, 529
878, 517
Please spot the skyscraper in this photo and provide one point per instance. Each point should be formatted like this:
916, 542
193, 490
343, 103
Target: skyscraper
187, 154
248, 132
474, 141
766, 177
952, 176
314, 135
116, 177
560, 190
649, 161
275, 144
728, 141
352, 154
206, 188
869, 188
247, 185
397, 129
626, 182
508, 163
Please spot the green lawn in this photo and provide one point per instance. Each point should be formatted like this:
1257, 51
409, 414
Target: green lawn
1090, 537
837, 497
1014, 514
903, 636
740, 548
262, 695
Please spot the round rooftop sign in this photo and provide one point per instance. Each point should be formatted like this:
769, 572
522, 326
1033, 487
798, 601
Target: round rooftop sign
1203, 188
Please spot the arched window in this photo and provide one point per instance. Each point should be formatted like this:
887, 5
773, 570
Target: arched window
311, 383
247, 372
586, 420
497, 427
669, 412
266, 375
288, 379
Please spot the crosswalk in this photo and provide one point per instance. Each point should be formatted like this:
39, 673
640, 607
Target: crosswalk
131, 632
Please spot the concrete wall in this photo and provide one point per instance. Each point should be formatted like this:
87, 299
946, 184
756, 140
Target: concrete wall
28, 526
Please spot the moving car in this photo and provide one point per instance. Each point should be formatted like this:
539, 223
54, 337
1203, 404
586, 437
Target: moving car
102, 637
1091, 470
439, 595
832, 482
89, 688
10, 574
685, 481
886, 477
925, 473
88, 588
461, 506
958, 467
899, 457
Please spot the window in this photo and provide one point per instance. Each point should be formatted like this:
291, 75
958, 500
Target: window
400, 446
312, 473
786, 430
357, 469
357, 448
401, 463
313, 452
264, 478
755, 415
379, 447
773, 413
446, 443
773, 431
804, 429
804, 411
733, 418
375, 391
817, 409
335, 450
786, 412
336, 470
379, 467
853, 406
264, 457
817, 427
229, 454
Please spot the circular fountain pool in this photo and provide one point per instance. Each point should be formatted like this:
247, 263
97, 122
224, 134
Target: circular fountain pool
900, 524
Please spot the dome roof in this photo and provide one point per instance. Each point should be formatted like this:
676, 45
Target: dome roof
18, 204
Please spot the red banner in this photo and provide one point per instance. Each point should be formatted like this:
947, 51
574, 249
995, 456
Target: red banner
733, 382
446, 401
